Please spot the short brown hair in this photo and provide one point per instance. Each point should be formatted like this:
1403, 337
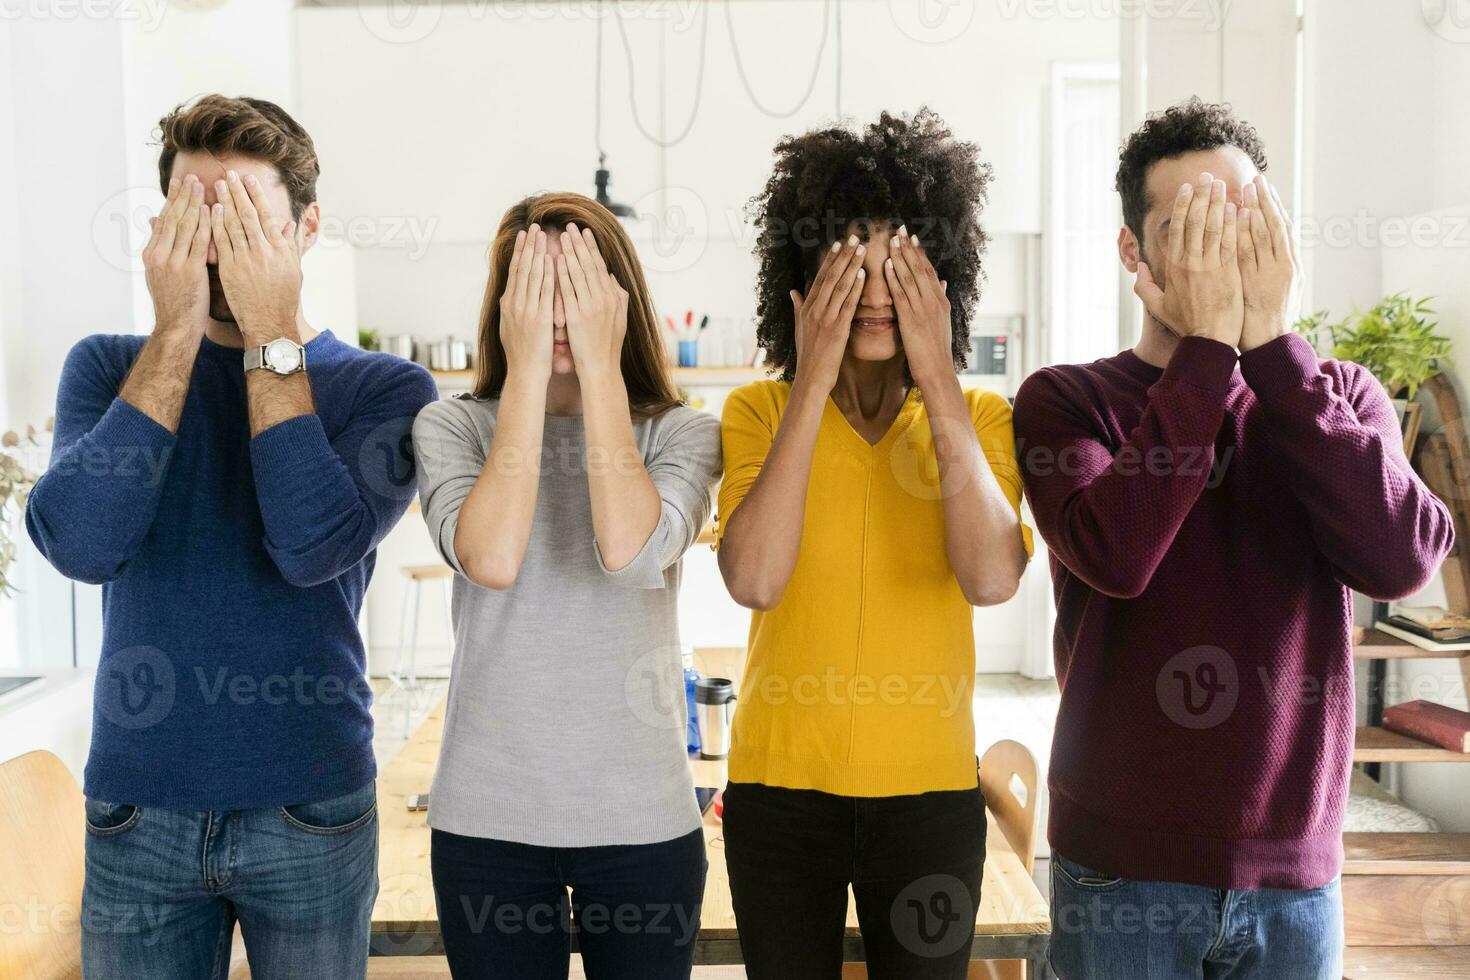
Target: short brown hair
254, 128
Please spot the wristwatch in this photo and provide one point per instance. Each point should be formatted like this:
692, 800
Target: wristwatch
280, 356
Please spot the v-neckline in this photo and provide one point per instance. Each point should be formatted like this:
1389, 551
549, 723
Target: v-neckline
900, 421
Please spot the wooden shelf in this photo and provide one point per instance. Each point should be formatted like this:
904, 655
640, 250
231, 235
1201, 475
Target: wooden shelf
1371, 644
1406, 854
1381, 745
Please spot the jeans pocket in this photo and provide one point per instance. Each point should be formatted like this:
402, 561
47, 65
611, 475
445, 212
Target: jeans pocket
111, 819
339, 815
1083, 878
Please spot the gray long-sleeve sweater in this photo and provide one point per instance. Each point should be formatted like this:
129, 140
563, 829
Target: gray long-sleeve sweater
566, 718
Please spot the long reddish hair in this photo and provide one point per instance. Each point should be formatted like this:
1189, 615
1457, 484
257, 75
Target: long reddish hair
646, 375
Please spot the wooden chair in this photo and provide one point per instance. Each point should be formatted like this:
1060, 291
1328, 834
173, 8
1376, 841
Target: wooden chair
42, 841
1008, 779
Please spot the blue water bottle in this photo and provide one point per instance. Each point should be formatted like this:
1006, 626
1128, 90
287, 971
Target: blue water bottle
691, 677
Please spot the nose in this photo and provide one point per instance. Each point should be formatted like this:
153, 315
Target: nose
558, 311
875, 295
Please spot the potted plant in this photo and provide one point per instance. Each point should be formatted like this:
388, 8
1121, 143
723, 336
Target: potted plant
1395, 340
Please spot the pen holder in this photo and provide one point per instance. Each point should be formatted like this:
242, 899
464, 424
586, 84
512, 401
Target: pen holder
688, 353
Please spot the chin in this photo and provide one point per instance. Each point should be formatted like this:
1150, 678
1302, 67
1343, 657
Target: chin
874, 347
562, 363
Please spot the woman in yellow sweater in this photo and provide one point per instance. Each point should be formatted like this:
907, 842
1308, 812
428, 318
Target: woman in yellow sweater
868, 503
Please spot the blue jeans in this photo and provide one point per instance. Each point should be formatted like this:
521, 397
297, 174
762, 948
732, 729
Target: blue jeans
164, 889
504, 910
1110, 928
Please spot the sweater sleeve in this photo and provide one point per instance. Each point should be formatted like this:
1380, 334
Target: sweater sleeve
684, 467
746, 434
1382, 529
327, 502
451, 454
91, 510
1110, 516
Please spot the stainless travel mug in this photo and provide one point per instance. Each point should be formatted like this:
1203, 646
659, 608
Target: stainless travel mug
714, 698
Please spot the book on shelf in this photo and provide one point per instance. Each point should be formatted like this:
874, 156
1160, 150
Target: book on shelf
1437, 724
1420, 636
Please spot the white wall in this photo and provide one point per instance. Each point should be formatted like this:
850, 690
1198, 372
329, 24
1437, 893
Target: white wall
432, 123
1388, 206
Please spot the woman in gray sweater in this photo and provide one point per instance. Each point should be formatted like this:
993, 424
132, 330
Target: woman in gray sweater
564, 491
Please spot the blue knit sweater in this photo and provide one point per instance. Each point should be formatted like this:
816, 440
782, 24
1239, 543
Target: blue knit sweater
233, 571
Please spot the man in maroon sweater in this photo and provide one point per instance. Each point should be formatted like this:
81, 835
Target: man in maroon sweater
1209, 498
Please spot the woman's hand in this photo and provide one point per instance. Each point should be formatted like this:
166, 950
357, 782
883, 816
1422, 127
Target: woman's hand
922, 305
525, 306
596, 305
824, 315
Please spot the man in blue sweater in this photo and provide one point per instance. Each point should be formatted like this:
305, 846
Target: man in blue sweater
227, 479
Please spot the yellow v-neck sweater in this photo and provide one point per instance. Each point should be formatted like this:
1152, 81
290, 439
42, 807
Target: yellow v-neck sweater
859, 683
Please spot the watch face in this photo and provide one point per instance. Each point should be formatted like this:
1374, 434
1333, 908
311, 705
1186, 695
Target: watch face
282, 356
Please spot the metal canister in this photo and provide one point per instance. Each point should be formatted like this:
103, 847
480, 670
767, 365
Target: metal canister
715, 699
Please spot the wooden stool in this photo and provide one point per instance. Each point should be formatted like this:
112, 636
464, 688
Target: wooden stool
405, 672
42, 836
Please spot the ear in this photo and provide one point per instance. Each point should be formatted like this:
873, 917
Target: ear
1129, 252
309, 226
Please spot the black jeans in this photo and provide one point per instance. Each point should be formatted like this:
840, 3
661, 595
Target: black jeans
914, 863
504, 910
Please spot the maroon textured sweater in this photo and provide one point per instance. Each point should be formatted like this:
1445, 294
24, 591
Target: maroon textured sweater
1205, 523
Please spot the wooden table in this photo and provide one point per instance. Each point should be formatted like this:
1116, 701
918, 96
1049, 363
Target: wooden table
1011, 923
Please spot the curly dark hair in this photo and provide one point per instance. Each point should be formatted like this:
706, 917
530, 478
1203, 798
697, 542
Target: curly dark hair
900, 170
1183, 127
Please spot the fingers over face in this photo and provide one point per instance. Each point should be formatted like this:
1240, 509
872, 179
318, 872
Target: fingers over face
1179, 222
233, 226
245, 208
840, 260
1214, 224
270, 223
224, 245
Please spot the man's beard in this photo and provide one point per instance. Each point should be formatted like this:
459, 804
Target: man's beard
219, 307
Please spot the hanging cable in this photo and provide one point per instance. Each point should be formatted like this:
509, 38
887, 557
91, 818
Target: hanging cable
816, 64
633, 87
837, 27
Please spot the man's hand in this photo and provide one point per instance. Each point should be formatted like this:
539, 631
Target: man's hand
525, 307
1203, 298
174, 260
259, 260
923, 310
1270, 275
596, 306
824, 316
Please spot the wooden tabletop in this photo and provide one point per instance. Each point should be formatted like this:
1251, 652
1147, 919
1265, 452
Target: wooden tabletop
405, 921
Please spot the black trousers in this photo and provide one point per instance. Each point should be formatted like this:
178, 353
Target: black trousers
505, 913
914, 864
